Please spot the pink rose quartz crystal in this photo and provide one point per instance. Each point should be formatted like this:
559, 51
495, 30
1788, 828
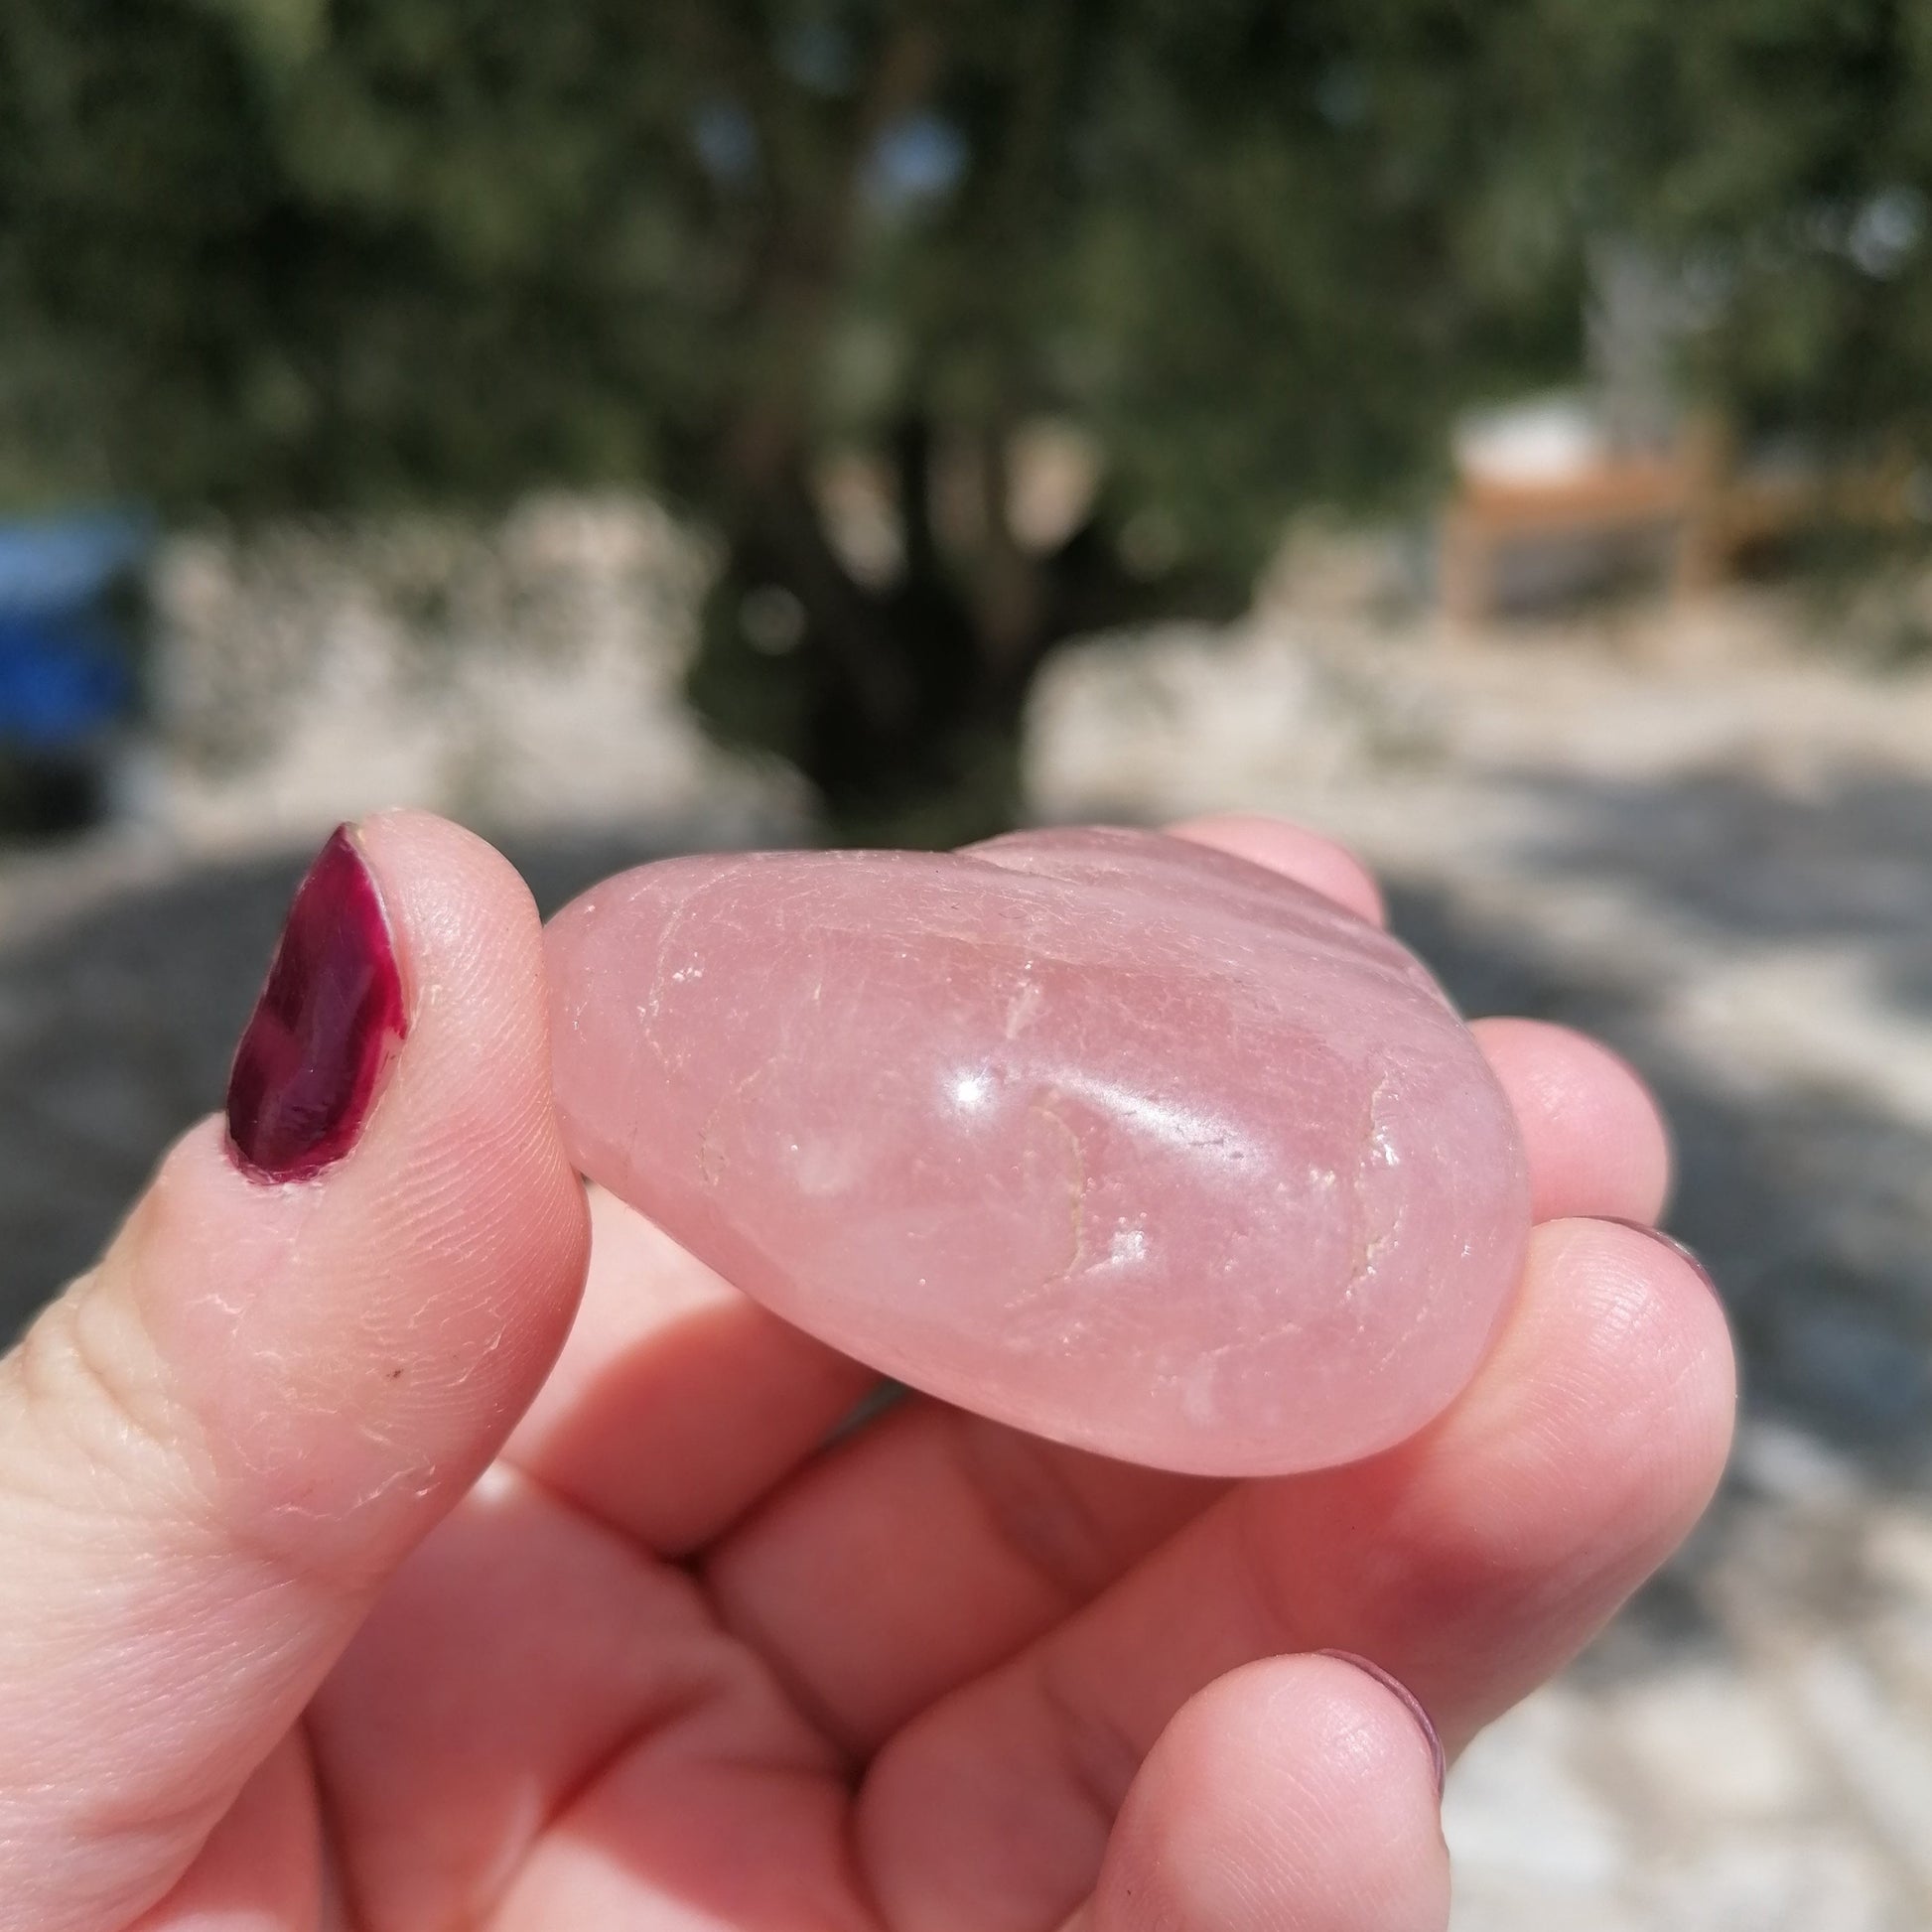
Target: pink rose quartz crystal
1126, 1142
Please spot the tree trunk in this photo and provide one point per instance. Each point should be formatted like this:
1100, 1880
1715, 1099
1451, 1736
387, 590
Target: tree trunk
902, 704
888, 702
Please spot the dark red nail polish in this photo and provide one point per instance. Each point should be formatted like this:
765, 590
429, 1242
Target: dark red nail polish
1669, 1241
1409, 1698
329, 1015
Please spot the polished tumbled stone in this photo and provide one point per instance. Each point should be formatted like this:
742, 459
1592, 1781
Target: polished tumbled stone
1124, 1141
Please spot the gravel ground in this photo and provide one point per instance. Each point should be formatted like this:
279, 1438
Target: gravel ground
1691, 831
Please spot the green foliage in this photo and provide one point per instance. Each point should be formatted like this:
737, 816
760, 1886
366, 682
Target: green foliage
1779, 154
263, 253
323, 249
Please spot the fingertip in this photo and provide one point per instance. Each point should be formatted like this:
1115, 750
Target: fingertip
470, 939
1595, 1139
1410, 1701
1331, 1732
1692, 1330
372, 1327
1616, 1323
442, 867
1293, 1792
1310, 860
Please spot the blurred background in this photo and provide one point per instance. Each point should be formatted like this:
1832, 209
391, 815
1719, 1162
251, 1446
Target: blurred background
1495, 434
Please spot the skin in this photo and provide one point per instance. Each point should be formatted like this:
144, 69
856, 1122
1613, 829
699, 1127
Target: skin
345, 1583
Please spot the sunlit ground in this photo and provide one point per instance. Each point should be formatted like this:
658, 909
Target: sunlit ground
1701, 830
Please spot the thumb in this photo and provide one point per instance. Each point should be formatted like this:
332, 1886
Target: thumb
313, 1332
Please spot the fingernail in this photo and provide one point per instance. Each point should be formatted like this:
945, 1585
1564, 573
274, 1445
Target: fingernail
329, 1015
1408, 1697
1669, 1241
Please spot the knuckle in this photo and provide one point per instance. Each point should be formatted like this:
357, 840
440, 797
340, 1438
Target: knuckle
91, 1425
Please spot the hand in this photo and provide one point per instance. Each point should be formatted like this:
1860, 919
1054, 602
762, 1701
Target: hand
327, 1601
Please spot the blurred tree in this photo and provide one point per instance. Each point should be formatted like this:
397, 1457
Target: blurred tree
1775, 156
822, 271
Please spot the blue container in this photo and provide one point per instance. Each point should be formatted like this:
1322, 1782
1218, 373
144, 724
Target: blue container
70, 617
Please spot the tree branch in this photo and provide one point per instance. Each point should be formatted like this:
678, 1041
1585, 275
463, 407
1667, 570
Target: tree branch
762, 453
842, 613
1090, 589
912, 480
793, 298
1006, 588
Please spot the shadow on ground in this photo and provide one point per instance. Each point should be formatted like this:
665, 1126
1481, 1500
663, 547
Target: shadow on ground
1830, 1304
1811, 1199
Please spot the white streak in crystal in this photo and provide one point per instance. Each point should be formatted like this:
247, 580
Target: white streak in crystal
1159, 1120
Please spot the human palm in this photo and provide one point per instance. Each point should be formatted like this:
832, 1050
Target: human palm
715, 1639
